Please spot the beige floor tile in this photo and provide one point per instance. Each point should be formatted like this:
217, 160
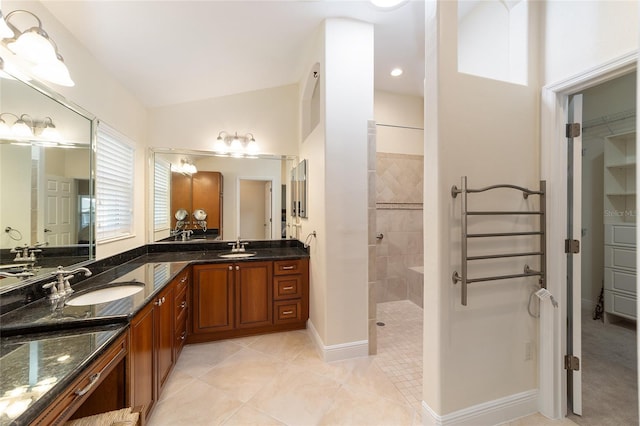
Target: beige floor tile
310, 360
353, 407
200, 405
368, 377
178, 382
244, 373
249, 416
285, 346
198, 359
539, 420
296, 397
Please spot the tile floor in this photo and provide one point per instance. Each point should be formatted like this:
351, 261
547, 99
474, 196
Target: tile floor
279, 379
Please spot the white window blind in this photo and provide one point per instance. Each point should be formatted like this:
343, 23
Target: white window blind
114, 184
161, 188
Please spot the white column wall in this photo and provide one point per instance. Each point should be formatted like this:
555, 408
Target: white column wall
487, 130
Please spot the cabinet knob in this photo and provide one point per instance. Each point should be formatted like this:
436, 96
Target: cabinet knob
183, 335
230, 268
183, 304
237, 268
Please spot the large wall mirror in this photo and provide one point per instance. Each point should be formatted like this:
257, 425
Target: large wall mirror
202, 196
46, 182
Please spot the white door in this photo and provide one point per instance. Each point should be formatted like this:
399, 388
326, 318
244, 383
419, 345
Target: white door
267, 210
574, 280
59, 211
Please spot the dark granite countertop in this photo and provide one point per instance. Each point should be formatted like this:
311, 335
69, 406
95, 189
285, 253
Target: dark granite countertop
46, 344
37, 367
153, 271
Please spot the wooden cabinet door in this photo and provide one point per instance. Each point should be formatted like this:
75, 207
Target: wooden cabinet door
164, 329
206, 196
180, 196
253, 294
212, 298
142, 376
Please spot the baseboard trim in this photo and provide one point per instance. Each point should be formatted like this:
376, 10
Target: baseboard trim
489, 413
338, 352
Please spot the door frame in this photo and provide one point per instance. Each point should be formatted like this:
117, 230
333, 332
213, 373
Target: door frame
253, 178
552, 395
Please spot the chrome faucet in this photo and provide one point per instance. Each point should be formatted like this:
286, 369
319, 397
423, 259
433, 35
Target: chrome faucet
27, 253
238, 246
186, 234
62, 281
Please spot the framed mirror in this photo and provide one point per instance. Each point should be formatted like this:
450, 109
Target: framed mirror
47, 202
299, 189
219, 197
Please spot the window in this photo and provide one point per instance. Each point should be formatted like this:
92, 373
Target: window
161, 202
114, 184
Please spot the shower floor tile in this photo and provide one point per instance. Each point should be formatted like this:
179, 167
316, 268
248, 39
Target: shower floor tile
400, 347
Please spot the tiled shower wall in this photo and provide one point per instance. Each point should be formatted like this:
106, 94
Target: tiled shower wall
399, 202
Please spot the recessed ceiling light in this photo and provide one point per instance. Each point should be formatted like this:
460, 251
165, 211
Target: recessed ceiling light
396, 72
388, 4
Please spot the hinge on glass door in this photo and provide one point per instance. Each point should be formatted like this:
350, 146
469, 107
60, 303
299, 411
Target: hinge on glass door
571, 363
573, 130
572, 246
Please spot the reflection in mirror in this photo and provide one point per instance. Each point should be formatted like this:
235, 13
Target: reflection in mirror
225, 198
299, 189
46, 187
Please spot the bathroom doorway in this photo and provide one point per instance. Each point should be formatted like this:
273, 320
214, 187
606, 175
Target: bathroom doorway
605, 290
255, 209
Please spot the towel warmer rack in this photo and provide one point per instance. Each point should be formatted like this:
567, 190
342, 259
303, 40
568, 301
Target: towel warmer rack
527, 272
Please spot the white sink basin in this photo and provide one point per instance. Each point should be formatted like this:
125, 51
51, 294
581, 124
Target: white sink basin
238, 255
104, 295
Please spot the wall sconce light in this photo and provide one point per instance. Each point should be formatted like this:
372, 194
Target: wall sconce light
185, 167
21, 130
35, 46
236, 145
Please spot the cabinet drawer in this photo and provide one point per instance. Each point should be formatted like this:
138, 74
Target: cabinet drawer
181, 281
619, 257
620, 234
288, 311
618, 304
287, 287
181, 336
80, 389
181, 302
284, 267
619, 280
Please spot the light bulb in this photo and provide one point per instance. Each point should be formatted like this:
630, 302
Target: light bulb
21, 129
34, 46
55, 72
235, 144
51, 133
220, 146
252, 146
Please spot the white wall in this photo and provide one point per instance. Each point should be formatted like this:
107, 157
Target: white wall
337, 179
271, 115
96, 91
400, 112
579, 35
486, 130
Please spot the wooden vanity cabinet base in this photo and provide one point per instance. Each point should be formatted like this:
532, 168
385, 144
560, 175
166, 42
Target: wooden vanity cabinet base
248, 298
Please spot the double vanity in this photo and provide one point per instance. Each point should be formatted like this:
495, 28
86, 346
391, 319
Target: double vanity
98, 350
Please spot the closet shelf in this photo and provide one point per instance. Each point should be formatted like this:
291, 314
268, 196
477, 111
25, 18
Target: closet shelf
625, 165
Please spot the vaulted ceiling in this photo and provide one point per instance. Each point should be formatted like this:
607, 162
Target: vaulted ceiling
168, 52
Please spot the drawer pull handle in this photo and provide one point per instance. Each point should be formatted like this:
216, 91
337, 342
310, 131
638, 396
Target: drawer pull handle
183, 335
92, 381
184, 279
288, 288
286, 268
287, 312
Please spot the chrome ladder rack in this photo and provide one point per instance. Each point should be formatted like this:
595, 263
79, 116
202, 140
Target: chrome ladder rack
527, 272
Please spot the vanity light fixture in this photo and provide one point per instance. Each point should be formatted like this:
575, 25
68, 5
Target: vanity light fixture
185, 167
50, 132
26, 127
35, 46
236, 145
5, 31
